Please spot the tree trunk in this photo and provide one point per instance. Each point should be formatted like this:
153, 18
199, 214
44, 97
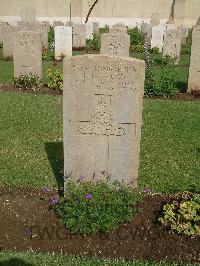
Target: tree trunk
90, 10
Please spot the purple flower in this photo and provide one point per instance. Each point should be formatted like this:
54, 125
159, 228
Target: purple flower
80, 179
147, 190
88, 196
45, 189
53, 200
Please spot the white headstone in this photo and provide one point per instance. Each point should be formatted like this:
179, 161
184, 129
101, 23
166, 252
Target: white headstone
157, 37
103, 102
89, 31
63, 41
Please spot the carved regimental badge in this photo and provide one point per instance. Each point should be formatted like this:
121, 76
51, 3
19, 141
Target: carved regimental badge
102, 122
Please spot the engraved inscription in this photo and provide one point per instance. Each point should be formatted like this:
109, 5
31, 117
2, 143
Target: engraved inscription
102, 122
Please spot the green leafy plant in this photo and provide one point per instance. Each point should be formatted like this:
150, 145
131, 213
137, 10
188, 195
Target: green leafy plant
55, 79
44, 53
89, 209
51, 38
183, 215
93, 44
168, 77
155, 50
161, 82
136, 36
26, 82
139, 48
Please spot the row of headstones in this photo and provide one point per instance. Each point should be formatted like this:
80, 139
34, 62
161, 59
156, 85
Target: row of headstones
25, 44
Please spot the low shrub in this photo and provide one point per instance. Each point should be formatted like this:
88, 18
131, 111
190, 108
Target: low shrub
51, 38
161, 82
89, 209
136, 36
155, 50
25, 82
183, 215
93, 44
55, 79
139, 48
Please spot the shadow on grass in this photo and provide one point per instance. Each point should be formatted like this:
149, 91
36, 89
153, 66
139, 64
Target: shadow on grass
182, 86
14, 262
55, 155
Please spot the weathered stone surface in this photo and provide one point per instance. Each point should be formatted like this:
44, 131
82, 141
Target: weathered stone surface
89, 31
115, 44
47, 24
28, 15
96, 28
58, 23
118, 28
79, 35
37, 27
194, 72
155, 19
147, 30
8, 36
157, 37
103, 101
172, 44
27, 54
184, 34
63, 41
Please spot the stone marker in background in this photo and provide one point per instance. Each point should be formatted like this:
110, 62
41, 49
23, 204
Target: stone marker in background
38, 27
147, 30
157, 37
184, 34
47, 24
103, 102
115, 44
79, 35
8, 36
89, 31
118, 28
155, 19
194, 72
170, 24
172, 44
58, 23
28, 15
96, 28
63, 41
27, 54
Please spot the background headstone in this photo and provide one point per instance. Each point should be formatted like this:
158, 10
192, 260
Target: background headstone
8, 36
58, 23
89, 31
194, 72
27, 54
37, 27
184, 34
118, 28
172, 44
115, 44
157, 37
79, 35
96, 28
155, 19
103, 102
147, 30
63, 41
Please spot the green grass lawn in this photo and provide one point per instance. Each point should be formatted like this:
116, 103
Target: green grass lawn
31, 142
32, 259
